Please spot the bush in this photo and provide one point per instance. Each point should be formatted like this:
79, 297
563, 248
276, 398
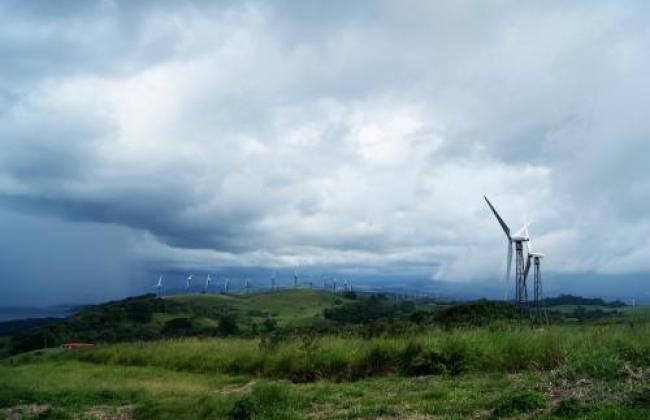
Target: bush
52, 413
570, 408
414, 360
227, 325
266, 401
601, 363
177, 327
640, 398
518, 402
478, 313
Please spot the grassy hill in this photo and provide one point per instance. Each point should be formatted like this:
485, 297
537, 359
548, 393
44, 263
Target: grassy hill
148, 317
326, 355
287, 307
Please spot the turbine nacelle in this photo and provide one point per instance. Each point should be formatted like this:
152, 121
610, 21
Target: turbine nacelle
519, 238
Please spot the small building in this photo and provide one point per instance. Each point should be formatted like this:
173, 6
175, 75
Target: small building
76, 345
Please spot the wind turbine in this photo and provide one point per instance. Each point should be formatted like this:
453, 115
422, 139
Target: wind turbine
226, 283
208, 280
159, 286
538, 294
189, 283
518, 239
295, 279
273, 282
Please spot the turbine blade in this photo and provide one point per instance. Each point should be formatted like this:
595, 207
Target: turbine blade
505, 227
508, 270
527, 268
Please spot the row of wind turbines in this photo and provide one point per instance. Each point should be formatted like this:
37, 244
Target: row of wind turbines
206, 286
331, 283
517, 241
522, 266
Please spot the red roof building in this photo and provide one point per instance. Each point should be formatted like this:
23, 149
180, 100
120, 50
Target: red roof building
76, 345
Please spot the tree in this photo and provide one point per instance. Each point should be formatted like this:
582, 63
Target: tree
227, 325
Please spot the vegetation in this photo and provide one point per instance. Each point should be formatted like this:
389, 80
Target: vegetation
579, 300
273, 356
146, 318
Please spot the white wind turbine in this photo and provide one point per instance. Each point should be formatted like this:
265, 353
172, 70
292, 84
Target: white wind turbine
189, 283
538, 293
517, 239
208, 281
159, 285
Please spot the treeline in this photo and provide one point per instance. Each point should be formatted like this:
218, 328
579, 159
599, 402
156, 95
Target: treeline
579, 300
9, 328
126, 320
147, 317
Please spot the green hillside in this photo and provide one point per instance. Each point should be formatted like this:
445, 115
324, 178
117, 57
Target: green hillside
287, 307
297, 354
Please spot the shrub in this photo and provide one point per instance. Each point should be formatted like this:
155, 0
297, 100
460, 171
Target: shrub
379, 358
227, 325
266, 401
52, 413
518, 402
640, 398
414, 360
177, 327
361, 311
477, 313
570, 408
601, 363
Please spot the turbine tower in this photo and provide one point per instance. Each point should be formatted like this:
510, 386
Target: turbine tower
189, 283
273, 282
538, 292
518, 239
295, 279
159, 286
226, 283
246, 285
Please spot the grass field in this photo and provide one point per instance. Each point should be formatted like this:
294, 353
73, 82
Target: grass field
56, 386
503, 369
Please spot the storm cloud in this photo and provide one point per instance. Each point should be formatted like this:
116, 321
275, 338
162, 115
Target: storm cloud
357, 134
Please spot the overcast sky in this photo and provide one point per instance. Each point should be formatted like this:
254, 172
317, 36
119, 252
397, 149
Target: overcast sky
200, 135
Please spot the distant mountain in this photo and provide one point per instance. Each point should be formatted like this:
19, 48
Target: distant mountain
9, 313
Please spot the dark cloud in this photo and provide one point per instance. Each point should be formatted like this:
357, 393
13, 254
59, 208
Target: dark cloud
346, 134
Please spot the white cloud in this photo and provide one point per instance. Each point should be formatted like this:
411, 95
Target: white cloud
232, 140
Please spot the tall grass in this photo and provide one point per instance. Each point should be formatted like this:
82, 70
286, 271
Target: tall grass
590, 350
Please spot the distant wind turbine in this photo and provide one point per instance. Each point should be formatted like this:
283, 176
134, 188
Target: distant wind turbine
189, 283
208, 280
159, 285
517, 239
538, 292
